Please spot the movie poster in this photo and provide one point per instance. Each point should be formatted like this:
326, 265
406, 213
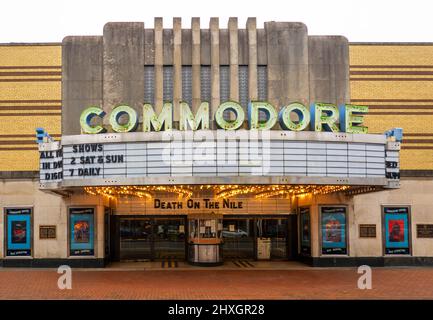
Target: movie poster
81, 231
305, 232
333, 225
396, 225
19, 232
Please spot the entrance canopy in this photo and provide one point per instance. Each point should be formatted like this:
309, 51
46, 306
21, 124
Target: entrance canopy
218, 157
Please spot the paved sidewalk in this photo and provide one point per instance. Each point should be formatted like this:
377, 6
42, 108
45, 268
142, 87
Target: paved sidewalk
228, 265
395, 283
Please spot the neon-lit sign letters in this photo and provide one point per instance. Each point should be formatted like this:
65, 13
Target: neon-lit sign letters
319, 117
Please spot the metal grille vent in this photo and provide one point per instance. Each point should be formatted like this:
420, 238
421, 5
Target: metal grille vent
167, 84
149, 84
187, 84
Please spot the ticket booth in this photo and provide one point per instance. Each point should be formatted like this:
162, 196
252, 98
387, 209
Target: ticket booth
205, 240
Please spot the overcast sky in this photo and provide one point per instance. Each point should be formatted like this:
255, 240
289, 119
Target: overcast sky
360, 21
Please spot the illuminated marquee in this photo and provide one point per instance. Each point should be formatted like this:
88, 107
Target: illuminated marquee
320, 117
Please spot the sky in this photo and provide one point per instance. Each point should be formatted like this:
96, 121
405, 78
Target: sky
359, 21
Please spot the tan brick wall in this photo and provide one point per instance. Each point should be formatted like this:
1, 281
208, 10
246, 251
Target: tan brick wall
30, 97
396, 81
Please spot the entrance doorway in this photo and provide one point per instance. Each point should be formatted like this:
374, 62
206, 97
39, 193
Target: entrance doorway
238, 235
150, 238
276, 230
135, 239
169, 238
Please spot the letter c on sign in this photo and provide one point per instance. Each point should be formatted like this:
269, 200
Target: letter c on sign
86, 118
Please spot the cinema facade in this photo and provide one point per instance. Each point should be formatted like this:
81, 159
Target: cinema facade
209, 146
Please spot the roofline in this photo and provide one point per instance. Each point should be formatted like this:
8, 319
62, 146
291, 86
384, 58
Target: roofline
17, 44
350, 43
391, 43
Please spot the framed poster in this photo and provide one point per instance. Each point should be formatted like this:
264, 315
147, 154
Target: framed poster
333, 230
305, 230
18, 232
81, 231
396, 230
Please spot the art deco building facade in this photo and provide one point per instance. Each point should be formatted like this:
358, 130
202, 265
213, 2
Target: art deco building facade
324, 198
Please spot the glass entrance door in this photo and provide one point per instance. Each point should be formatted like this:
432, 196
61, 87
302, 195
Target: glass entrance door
169, 238
238, 237
151, 238
276, 229
135, 239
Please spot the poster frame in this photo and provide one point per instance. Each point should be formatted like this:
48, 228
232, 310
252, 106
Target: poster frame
409, 229
346, 229
94, 208
5, 232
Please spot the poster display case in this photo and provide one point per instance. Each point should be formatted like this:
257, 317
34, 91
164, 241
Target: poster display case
81, 232
396, 230
333, 230
18, 232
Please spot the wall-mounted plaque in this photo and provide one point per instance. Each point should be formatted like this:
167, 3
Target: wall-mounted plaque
424, 230
47, 232
367, 231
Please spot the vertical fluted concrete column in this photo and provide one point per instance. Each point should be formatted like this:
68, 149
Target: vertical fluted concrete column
159, 56
123, 65
215, 66
234, 59
196, 86
287, 50
177, 67
82, 64
329, 69
252, 58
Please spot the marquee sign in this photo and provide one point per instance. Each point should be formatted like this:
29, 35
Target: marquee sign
220, 157
320, 117
337, 150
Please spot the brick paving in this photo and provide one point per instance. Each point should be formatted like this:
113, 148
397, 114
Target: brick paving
395, 283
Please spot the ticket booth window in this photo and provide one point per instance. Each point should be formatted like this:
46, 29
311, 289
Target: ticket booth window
204, 241
18, 232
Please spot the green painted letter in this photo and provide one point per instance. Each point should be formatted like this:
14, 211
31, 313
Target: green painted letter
230, 124
324, 114
351, 119
87, 116
150, 118
187, 117
303, 115
254, 108
117, 113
